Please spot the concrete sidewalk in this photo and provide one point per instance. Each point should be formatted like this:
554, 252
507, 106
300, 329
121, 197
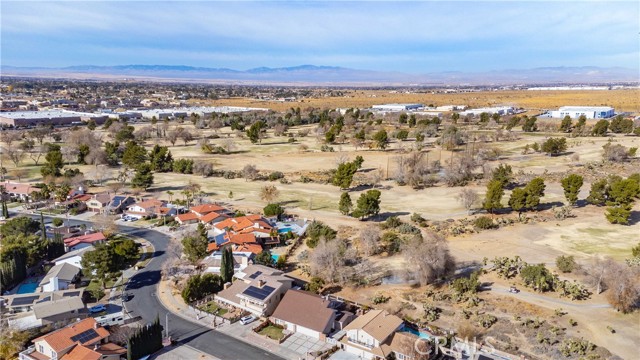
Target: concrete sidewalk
172, 300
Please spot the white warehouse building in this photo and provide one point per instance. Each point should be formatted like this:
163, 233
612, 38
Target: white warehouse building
591, 112
397, 107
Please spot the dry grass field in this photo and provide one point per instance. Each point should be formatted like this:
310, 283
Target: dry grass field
621, 100
585, 236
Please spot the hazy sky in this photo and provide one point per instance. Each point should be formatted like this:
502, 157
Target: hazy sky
413, 37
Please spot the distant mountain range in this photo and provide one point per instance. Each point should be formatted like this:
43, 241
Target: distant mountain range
331, 75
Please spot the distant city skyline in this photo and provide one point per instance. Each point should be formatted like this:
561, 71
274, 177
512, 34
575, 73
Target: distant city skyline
410, 37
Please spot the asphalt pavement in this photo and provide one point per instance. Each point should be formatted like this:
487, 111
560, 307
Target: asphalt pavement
143, 286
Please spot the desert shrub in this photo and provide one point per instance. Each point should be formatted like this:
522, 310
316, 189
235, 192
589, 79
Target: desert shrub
407, 229
326, 148
392, 223
318, 230
273, 210
276, 175
484, 222
566, 264
380, 299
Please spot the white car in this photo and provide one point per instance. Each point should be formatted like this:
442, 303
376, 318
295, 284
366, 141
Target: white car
247, 319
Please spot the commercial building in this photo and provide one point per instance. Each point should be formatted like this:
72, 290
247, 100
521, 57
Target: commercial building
591, 112
49, 117
397, 107
501, 110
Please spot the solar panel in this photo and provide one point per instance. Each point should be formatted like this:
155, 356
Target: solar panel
255, 274
72, 293
45, 299
24, 300
85, 336
258, 293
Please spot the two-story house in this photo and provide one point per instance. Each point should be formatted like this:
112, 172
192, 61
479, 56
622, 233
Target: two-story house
60, 277
82, 241
366, 335
84, 339
258, 290
98, 202
119, 203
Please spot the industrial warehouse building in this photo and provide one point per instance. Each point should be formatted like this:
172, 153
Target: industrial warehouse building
591, 112
20, 119
500, 110
397, 107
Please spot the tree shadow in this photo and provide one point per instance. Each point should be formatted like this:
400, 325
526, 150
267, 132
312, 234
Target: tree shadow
290, 202
145, 278
385, 215
550, 205
168, 188
157, 253
634, 218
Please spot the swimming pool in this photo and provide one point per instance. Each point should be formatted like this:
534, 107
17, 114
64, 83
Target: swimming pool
27, 288
284, 230
275, 257
415, 332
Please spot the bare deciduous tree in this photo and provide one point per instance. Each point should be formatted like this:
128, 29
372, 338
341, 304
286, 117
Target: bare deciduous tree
19, 173
203, 168
9, 137
368, 241
186, 136
428, 258
13, 154
228, 144
467, 197
249, 172
623, 283
269, 193
326, 259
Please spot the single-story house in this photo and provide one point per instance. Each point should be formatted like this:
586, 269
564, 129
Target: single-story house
241, 260
86, 240
365, 335
60, 277
305, 313
204, 209
187, 218
24, 302
18, 191
98, 202
49, 311
258, 290
213, 218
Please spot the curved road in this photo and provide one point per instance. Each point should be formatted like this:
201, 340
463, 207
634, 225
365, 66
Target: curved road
145, 304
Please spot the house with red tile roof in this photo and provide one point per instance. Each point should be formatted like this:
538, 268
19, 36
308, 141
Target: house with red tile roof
187, 218
63, 343
150, 208
98, 202
204, 209
18, 191
213, 218
82, 241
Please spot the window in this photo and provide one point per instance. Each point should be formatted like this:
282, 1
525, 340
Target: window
41, 349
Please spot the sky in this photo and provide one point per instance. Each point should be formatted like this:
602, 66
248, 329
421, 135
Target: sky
411, 37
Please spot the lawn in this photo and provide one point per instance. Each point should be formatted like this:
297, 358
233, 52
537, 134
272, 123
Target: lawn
273, 332
211, 307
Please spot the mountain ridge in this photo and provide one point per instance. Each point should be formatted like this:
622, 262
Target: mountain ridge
336, 75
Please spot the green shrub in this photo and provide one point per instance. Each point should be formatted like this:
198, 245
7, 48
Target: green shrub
276, 175
318, 230
407, 229
392, 223
57, 222
566, 264
484, 222
273, 210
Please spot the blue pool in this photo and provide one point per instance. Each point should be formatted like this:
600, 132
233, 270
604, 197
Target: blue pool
415, 332
27, 288
275, 257
284, 230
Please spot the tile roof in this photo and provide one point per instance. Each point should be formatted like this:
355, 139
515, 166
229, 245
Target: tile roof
206, 208
87, 239
305, 309
211, 216
102, 198
149, 204
252, 248
377, 323
70, 254
81, 352
18, 188
187, 217
61, 339
242, 238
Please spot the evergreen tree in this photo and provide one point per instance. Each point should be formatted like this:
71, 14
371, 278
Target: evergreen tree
368, 204
599, 192
518, 200
535, 190
226, 267
381, 138
571, 186
143, 177
345, 204
493, 196
344, 175
565, 125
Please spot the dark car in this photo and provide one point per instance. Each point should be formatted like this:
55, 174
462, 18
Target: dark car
127, 296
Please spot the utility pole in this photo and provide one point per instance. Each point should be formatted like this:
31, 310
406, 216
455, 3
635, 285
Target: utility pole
166, 321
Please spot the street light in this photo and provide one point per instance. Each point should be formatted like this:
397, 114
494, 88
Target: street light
166, 321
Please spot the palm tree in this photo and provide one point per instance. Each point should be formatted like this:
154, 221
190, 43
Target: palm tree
170, 193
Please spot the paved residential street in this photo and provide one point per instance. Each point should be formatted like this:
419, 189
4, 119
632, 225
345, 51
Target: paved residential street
144, 284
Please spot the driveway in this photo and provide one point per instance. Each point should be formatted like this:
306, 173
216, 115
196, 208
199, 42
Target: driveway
303, 344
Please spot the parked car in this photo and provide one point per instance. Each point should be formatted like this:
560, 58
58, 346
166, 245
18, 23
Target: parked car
514, 290
127, 296
247, 319
98, 308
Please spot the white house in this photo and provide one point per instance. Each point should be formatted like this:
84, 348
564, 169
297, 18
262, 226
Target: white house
60, 277
367, 333
73, 257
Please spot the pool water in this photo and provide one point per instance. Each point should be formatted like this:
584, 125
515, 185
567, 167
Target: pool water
284, 230
27, 288
415, 332
275, 257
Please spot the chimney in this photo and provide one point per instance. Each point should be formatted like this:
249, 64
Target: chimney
96, 346
261, 283
96, 326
